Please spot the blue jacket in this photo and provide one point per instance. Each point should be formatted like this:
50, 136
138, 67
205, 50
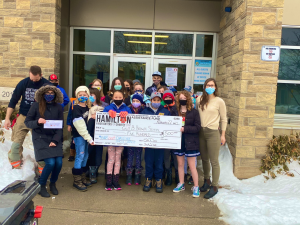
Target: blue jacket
66, 97
113, 107
139, 111
161, 111
69, 118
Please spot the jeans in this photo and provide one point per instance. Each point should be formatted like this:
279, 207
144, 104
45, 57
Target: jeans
53, 166
154, 159
82, 154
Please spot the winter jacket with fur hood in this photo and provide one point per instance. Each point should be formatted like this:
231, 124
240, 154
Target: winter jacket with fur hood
41, 137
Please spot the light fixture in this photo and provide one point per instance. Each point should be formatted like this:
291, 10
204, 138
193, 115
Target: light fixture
146, 35
148, 42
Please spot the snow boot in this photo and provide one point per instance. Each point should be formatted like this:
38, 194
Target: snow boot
206, 185
116, 184
108, 185
43, 192
159, 186
93, 175
137, 179
176, 177
168, 181
129, 179
147, 185
77, 173
85, 181
211, 193
53, 189
72, 155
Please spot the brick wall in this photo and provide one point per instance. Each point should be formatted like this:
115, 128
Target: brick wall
29, 35
247, 84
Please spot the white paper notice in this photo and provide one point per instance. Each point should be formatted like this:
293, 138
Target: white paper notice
171, 76
53, 124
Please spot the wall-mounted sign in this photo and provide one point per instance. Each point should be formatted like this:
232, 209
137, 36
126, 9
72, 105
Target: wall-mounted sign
270, 53
202, 71
171, 76
6, 93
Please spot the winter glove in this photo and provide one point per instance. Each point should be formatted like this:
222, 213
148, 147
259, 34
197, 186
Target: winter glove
112, 113
123, 114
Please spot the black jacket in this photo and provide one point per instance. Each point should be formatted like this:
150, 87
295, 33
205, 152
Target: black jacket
173, 109
41, 137
191, 130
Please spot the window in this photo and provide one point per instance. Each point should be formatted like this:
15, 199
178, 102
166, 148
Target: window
288, 87
204, 45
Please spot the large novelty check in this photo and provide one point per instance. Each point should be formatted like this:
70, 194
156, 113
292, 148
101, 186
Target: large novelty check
138, 130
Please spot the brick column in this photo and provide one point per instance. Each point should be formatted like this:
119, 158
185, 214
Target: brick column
29, 35
247, 84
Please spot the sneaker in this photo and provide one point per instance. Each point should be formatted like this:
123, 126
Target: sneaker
196, 192
180, 187
191, 180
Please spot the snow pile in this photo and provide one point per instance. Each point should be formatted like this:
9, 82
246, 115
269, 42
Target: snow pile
257, 200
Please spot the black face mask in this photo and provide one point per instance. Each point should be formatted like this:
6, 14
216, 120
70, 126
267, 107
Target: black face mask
128, 89
168, 102
182, 102
118, 102
55, 84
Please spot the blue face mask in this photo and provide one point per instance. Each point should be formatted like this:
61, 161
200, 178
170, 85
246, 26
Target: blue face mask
118, 87
139, 91
92, 99
155, 105
49, 98
82, 99
210, 90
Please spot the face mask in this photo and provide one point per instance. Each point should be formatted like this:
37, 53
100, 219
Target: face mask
49, 98
118, 102
156, 82
82, 99
155, 105
99, 88
168, 102
118, 87
210, 90
55, 84
92, 99
128, 89
139, 91
136, 104
182, 102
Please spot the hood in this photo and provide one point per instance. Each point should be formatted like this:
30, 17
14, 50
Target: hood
59, 98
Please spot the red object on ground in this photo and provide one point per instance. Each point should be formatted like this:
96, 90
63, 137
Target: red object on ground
14, 121
38, 211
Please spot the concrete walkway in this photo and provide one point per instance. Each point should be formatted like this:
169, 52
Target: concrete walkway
129, 206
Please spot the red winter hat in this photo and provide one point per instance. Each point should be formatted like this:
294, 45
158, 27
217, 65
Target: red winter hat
168, 93
53, 77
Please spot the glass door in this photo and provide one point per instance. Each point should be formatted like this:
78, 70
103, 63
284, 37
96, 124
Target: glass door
175, 72
132, 68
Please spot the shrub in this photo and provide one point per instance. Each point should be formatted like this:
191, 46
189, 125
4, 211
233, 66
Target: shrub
281, 150
3, 113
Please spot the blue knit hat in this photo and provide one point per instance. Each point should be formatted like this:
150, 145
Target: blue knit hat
138, 97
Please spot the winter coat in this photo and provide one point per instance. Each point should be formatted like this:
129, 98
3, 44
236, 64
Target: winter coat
66, 97
140, 109
172, 109
41, 137
160, 111
191, 129
113, 107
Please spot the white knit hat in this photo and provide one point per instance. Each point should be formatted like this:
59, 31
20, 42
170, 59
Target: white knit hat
82, 88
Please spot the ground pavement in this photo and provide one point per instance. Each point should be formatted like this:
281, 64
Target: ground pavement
129, 206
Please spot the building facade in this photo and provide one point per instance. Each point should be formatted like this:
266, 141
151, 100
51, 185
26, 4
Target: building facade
83, 40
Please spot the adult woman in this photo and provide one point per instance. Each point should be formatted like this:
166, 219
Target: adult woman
97, 83
212, 109
47, 143
190, 142
129, 86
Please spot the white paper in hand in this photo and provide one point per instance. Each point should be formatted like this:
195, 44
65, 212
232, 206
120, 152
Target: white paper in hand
53, 124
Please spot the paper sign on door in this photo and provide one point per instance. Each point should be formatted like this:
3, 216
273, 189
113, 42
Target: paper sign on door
171, 76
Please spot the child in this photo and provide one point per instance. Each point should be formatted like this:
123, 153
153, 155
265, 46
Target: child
129, 86
157, 80
97, 83
161, 90
54, 80
169, 100
95, 151
136, 108
114, 152
139, 88
154, 158
81, 137
117, 85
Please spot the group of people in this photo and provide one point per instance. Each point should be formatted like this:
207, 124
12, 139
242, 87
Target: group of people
203, 131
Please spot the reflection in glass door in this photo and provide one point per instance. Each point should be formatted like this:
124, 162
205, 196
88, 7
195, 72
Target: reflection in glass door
132, 68
182, 68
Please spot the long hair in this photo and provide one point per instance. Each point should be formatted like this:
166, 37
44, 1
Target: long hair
136, 84
130, 86
101, 91
96, 92
42, 107
112, 88
204, 97
189, 101
88, 102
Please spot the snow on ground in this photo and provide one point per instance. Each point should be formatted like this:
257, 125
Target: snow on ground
9, 175
257, 200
